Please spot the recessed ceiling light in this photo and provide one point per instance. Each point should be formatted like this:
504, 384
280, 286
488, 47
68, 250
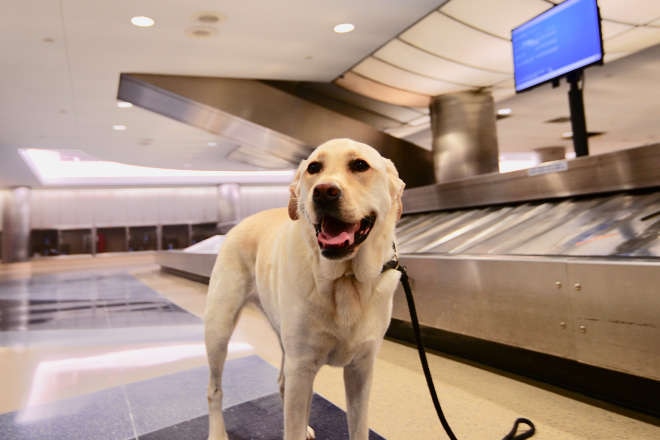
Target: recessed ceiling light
119, 127
124, 104
142, 21
344, 28
212, 144
503, 113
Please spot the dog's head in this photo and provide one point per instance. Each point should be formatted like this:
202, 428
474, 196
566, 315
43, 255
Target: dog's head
346, 190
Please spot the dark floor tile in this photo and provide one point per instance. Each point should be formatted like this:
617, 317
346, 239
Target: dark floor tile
262, 419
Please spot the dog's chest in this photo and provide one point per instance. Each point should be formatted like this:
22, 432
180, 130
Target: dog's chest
353, 320
347, 295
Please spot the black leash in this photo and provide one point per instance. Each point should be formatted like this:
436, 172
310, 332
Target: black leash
394, 264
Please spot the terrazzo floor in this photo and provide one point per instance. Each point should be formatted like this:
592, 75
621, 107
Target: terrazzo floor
112, 348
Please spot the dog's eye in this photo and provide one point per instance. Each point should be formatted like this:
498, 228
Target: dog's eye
314, 167
358, 165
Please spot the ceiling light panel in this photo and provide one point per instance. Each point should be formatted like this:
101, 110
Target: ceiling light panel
633, 40
408, 57
630, 11
495, 17
452, 40
396, 77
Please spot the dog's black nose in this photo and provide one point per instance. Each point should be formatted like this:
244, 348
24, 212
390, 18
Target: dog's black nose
326, 193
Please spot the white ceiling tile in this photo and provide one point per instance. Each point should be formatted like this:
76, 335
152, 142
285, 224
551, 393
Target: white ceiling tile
452, 40
401, 54
611, 29
395, 77
496, 17
372, 89
633, 40
500, 93
611, 56
630, 11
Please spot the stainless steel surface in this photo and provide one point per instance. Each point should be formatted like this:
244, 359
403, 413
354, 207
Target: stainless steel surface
259, 116
110, 207
623, 170
464, 138
619, 225
612, 322
489, 299
617, 306
16, 225
563, 259
199, 264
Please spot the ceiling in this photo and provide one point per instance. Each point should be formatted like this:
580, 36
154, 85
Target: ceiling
62, 61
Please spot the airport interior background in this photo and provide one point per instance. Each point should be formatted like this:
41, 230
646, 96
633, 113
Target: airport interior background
135, 134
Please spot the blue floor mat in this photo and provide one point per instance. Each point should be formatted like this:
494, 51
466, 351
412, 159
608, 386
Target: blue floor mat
261, 419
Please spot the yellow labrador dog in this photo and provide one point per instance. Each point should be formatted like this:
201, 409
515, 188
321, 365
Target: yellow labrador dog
317, 272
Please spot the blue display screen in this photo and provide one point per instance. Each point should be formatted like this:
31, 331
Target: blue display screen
564, 38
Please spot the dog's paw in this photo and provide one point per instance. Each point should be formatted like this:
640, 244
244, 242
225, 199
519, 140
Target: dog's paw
311, 435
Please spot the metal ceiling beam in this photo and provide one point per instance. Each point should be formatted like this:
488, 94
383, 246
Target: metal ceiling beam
255, 114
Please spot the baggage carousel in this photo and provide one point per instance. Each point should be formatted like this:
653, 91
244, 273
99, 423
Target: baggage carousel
551, 272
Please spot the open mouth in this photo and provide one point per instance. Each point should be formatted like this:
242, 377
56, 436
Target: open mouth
338, 239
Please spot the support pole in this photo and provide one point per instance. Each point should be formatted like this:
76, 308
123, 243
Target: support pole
578, 121
464, 138
16, 225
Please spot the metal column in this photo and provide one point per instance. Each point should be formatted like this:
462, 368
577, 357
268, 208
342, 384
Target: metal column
16, 225
464, 135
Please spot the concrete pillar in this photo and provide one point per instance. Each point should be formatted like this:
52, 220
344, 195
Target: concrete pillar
16, 225
548, 154
464, 135
229, 196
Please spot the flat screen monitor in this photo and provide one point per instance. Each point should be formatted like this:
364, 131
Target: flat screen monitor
562, 39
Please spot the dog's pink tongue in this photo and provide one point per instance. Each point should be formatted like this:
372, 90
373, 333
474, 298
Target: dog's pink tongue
336, 233
336, 240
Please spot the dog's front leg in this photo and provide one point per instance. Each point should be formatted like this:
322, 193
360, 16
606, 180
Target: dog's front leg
298, 390
357, 383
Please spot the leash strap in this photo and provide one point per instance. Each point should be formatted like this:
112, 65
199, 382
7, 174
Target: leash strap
394, 264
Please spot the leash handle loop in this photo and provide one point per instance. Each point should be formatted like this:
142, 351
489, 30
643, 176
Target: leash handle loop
523, 435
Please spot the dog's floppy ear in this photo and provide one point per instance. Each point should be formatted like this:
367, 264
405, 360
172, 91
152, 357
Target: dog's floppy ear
396, 186
294, 192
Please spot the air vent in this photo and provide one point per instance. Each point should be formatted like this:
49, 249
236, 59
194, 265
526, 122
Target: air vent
209, 18
200, 31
